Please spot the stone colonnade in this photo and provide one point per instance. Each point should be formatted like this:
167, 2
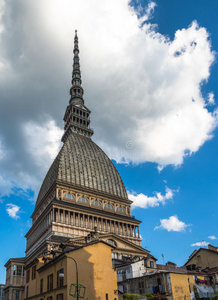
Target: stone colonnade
87, 221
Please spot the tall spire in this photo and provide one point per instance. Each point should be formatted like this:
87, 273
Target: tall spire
76, 90
77, 115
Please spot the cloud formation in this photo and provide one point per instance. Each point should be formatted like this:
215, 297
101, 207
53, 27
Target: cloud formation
172, 224
43, 141
141, 86
12, 210
212, 237
143, 201
200, 244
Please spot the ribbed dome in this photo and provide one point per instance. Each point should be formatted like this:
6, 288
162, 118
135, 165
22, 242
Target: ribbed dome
82, 163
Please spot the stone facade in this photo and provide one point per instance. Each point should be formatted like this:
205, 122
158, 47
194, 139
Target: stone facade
2, 292
203, 258
15, 279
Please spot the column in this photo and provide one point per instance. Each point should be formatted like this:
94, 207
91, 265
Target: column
138, 233
97, 223
106, 225
69, 217
93, 222
88, 222
126, 229
74, 219
64, 216
84, 225
118, 227
102, 225
134, 231
58, 215
123, 231
52, 215
79, 220
131, 230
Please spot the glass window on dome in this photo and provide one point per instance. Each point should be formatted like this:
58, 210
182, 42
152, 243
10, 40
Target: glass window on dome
108, 206
120, 209
69, 196
96, 203
83, 200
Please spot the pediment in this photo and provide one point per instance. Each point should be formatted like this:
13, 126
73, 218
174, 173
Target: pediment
124, 244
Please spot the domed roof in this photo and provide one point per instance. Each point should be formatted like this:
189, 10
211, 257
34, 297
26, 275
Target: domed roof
82, 163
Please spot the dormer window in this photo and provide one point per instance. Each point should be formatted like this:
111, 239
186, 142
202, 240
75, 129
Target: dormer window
83, 200
120, 209
96, 203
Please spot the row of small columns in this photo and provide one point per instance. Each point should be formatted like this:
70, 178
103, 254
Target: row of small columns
89, 222
84, 221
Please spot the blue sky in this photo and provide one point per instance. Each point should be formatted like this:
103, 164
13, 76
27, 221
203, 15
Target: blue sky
132, 83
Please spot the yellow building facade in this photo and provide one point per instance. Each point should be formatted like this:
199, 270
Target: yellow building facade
95, 273
180, 286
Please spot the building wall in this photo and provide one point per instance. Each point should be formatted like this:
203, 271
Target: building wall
33, 285
14, 284
205, 258
180, 286
94, 269
2, 286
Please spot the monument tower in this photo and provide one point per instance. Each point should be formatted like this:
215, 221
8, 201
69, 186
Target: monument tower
82, 191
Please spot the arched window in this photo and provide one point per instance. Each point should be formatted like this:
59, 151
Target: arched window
96, 203
112, 242
108, 206
120, 209
83, 200
69, 196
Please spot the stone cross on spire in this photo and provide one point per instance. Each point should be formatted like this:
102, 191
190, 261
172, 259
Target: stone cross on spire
77, 115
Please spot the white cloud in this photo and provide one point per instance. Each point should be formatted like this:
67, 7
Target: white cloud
210, 99
28, 223
141, 86
160, 168
43, 142
2, 152
5, 186
143, 201
212, 237
200, 244
2, 7
12, 210
172, 224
